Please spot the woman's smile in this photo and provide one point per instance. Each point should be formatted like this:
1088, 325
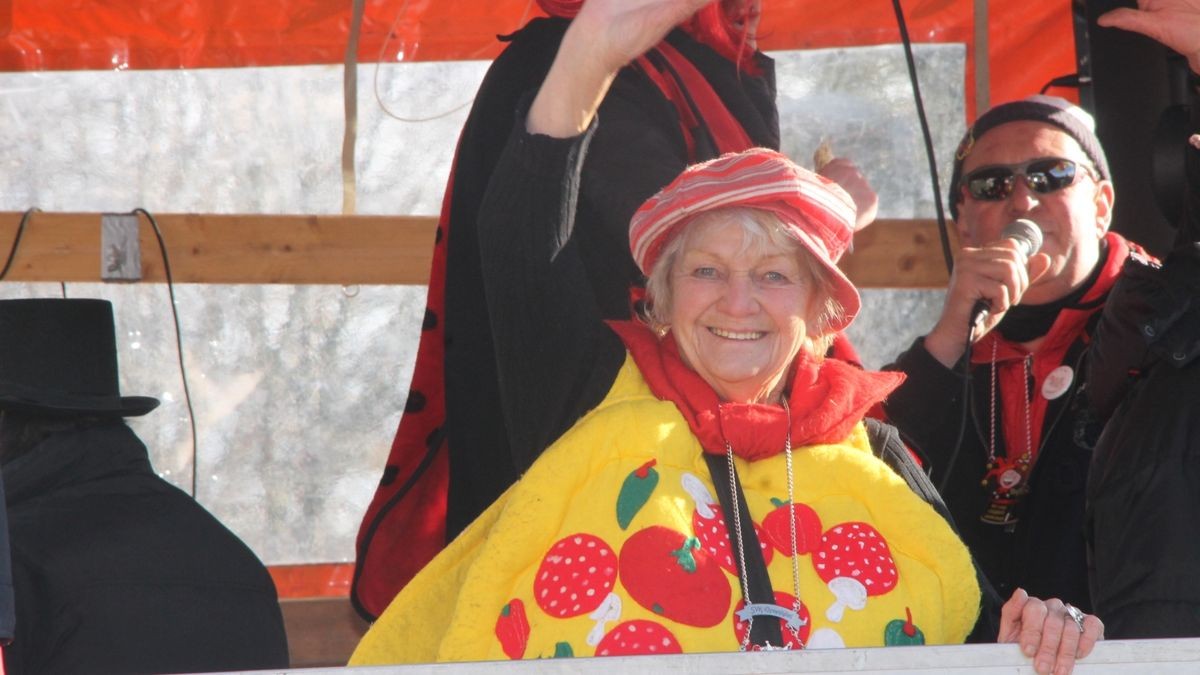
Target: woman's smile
737, 335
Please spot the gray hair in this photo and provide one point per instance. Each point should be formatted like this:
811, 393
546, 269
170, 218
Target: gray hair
759, 229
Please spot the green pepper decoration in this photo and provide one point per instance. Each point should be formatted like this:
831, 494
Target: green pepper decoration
901, 632
635, 492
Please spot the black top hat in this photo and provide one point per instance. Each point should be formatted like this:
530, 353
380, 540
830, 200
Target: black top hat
59, 357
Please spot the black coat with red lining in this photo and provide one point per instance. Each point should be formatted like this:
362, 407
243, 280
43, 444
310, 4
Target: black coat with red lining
1142, 491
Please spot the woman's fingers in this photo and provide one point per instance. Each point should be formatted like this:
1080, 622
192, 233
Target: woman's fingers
996, 274
602, 38
1093, 632
851, 179
1050, 632
1010, 616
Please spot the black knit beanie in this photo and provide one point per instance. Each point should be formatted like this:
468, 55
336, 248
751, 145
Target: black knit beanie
1072, 119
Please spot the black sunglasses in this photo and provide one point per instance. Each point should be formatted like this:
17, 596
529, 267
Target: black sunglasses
1050, 174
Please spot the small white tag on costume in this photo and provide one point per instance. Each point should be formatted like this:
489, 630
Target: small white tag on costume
1057, 382
752, 610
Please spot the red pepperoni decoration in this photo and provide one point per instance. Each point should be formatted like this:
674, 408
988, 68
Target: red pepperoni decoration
575, 576
638, 637
714, 537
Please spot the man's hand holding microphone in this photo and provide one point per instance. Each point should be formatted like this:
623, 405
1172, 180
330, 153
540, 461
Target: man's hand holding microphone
986, 282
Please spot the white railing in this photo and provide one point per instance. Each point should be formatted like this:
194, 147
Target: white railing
1166, 657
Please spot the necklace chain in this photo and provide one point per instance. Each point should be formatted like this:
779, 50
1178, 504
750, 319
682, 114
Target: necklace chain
1028, 454
741, 548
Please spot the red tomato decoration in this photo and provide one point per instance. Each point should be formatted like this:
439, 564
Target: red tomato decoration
671, 575
778, 526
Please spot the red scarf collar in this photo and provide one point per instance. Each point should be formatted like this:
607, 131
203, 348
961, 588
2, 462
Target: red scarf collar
827, 398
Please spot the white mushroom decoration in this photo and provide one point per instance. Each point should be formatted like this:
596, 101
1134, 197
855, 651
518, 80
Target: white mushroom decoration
854, 560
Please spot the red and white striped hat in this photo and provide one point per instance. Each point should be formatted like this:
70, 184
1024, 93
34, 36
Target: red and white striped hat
815, 210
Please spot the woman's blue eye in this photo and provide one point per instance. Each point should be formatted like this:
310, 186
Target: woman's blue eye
706, 273
774, 278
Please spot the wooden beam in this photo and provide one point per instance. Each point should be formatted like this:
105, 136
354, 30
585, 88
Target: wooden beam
321, 631
898, 254
333, 249
232, 249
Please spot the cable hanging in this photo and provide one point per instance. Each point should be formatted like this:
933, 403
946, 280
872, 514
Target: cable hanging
943, 232
12, 251
187, 394
929, 153
382, 50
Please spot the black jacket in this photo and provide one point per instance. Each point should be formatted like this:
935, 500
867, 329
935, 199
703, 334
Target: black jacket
116, 570
1144, 488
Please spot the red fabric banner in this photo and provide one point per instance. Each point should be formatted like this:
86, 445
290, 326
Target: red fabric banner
1031, 41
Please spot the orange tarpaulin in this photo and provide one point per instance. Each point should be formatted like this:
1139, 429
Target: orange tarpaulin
1031, 41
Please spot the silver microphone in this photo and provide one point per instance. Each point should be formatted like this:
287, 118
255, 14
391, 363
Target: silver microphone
1028, 237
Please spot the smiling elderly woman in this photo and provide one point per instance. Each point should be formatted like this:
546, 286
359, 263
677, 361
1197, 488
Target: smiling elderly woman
719, 492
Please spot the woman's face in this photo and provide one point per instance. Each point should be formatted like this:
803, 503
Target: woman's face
738, 313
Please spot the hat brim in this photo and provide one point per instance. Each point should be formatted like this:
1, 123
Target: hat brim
840, 287
124, 406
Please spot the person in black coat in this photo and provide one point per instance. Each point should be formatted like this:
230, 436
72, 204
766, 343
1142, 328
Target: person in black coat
114, 569
1142, 496
1143, 541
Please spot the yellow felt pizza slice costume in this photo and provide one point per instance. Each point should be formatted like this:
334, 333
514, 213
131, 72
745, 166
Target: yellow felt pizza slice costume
612, 543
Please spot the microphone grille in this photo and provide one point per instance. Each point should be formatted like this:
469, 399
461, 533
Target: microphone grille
1025, 231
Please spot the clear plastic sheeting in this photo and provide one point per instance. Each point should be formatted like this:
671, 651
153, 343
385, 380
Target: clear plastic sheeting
298, 389
238, 140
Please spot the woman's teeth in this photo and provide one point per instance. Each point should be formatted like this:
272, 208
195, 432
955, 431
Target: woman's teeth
737, 335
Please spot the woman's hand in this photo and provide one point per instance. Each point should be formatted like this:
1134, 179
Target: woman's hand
1174, 23
1047, 633
844, 172
616, 32
602, 38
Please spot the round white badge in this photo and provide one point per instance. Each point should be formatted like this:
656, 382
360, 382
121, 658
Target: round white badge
1057, 382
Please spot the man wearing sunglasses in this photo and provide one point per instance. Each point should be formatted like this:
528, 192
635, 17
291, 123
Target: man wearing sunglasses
1012, 464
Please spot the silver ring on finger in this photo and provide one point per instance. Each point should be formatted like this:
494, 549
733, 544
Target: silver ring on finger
1076, 615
